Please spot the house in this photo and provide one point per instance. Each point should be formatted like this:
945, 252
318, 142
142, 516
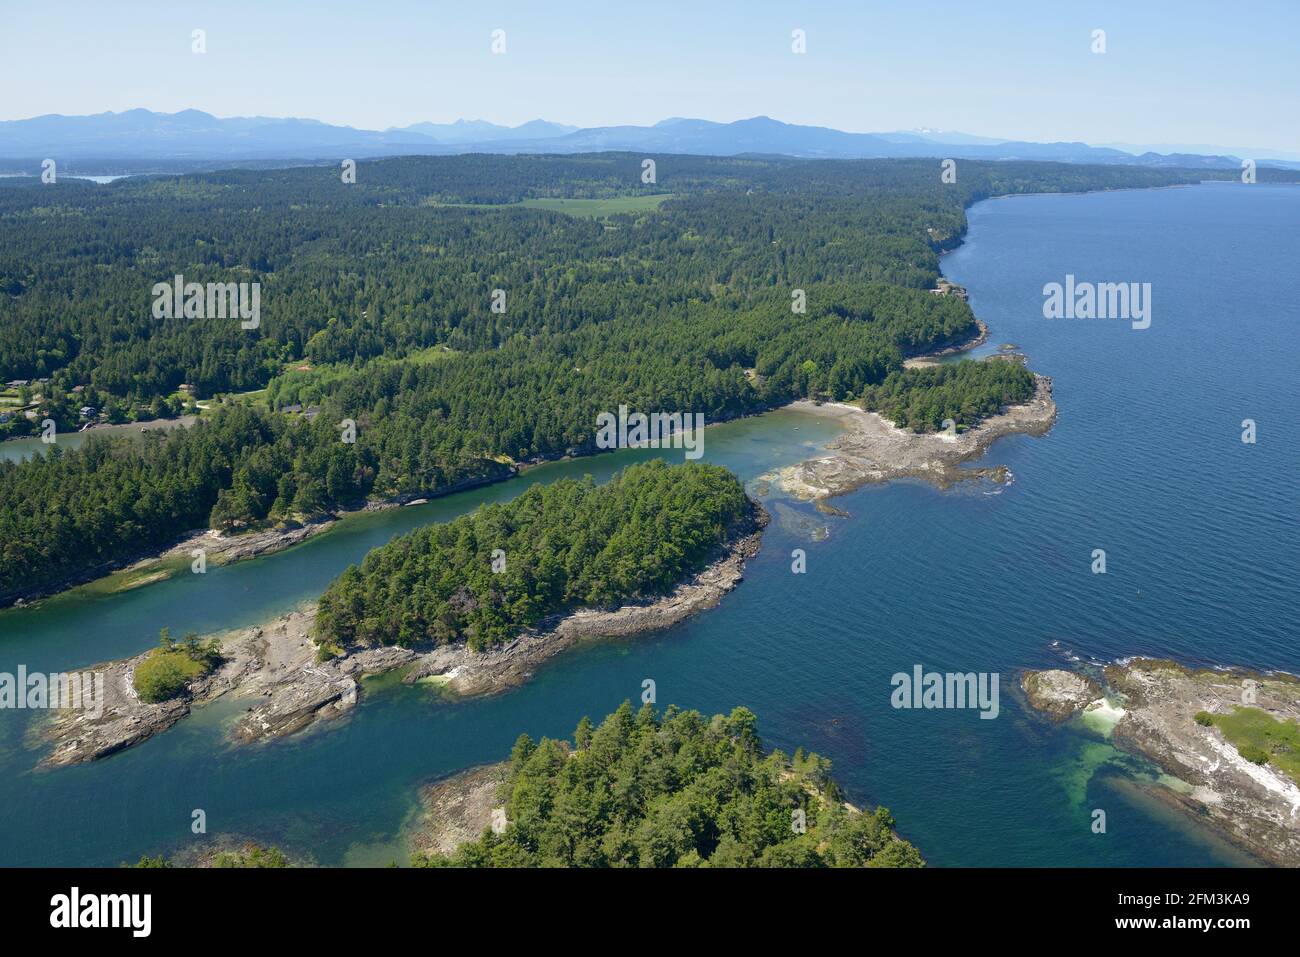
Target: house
87, 411
18, 383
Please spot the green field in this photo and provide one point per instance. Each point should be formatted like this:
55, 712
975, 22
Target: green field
1254, 728
582, 208
598, 208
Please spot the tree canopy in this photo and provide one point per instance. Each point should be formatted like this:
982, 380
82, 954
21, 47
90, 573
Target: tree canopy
484, 577
377, 310
675, 790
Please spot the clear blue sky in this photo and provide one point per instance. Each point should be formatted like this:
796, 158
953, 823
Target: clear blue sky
1174, 72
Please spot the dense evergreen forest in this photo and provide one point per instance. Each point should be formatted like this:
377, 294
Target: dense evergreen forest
965, 392
484, 577
384, 266
65, 512
675, 790
377, 307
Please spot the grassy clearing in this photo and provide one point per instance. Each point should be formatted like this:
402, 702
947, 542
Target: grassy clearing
1260, 737
305, 384
254, 397
426, 356
164, 674
172, 665
598, 208
581, 208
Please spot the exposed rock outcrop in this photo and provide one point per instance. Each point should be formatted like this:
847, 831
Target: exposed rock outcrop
276, 667
1059, 693
1256, 806
874, 450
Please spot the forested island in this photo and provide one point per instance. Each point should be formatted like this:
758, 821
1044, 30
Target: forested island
474, 606
758, 282
485, 577
649, 789
643, 788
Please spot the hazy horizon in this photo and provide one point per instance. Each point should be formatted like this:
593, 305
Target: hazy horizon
1170, 75
1135, 148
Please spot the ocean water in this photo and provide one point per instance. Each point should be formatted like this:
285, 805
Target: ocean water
1145, 462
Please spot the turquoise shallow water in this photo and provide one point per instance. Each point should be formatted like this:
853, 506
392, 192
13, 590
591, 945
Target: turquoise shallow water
1146, 462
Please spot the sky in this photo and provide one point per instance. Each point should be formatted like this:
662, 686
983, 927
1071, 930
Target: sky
1187, 72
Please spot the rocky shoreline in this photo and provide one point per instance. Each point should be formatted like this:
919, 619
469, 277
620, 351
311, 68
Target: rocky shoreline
457, 809
1255, 806
158, 565
931, 358
873, 450
275, 667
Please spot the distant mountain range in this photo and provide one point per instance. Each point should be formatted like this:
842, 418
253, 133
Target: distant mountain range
192, 135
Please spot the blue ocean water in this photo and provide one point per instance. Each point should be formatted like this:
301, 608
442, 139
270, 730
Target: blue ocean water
1146, 461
